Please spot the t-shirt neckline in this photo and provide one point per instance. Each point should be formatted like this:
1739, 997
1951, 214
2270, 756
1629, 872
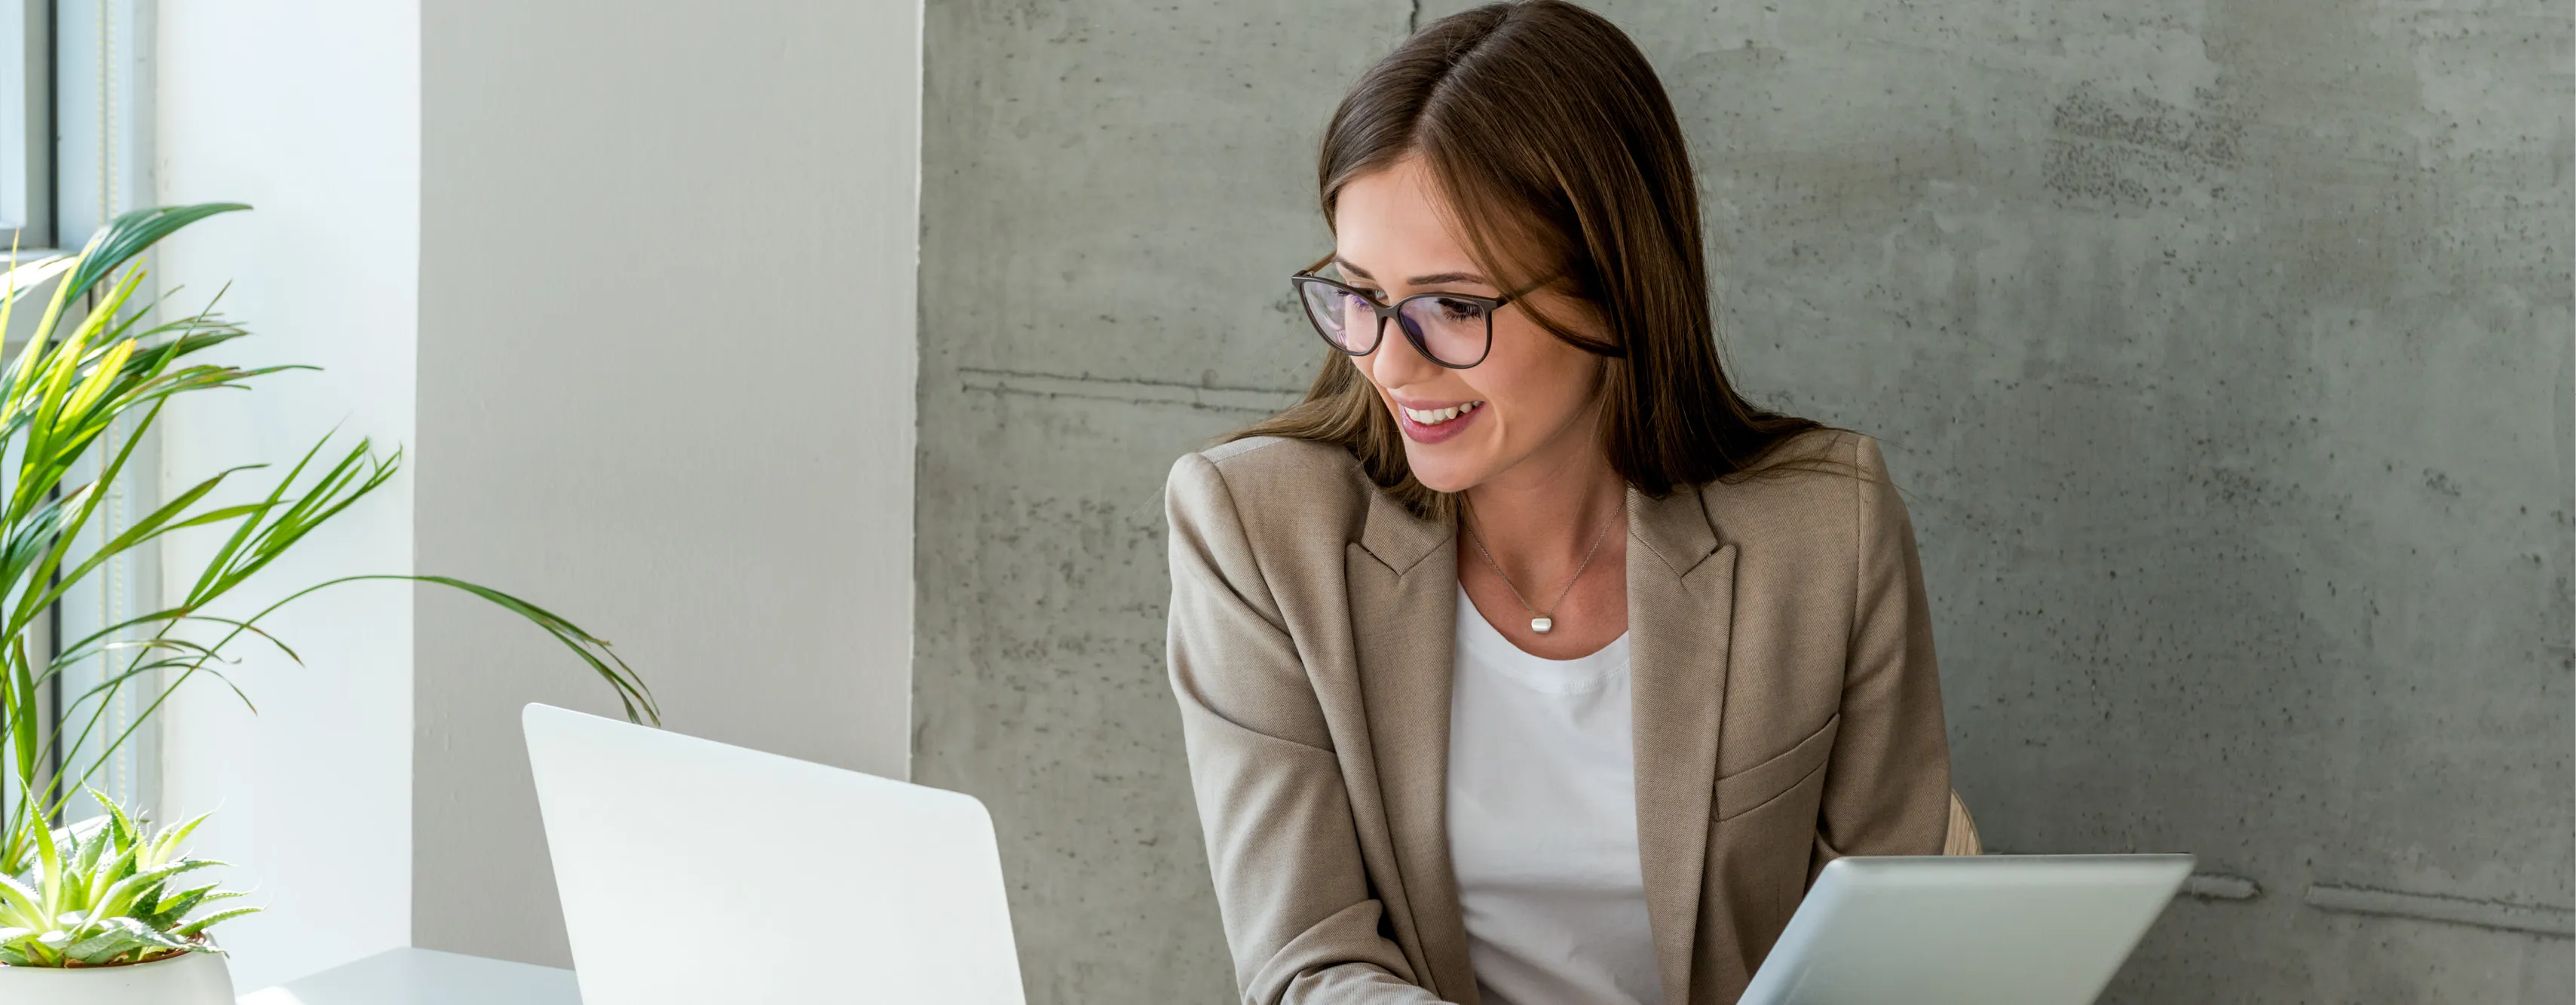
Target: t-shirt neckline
1479, 638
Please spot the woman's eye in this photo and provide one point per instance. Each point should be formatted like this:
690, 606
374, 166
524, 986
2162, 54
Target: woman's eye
1461, 310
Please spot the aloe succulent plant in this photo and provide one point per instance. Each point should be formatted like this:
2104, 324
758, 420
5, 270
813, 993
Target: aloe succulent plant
103, 892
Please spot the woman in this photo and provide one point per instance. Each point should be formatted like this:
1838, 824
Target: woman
1524, 661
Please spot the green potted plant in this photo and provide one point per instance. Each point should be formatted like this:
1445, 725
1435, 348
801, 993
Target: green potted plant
109, 916
102, 911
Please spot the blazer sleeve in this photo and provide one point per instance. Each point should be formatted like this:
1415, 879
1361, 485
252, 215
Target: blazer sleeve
1294, 896
1887, 788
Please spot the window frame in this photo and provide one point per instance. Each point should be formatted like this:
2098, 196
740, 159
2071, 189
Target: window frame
27, 134
94, 79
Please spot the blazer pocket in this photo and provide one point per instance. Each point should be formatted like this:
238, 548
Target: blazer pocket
1761, 783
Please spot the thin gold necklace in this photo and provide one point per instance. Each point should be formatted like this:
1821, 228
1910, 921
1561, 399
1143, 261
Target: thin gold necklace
1540, 623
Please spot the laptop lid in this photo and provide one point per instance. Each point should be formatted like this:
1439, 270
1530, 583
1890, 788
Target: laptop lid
693, 872
1969, 930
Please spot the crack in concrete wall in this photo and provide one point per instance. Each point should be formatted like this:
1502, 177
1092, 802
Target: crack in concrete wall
1257, 401
2220, 886
2535, 919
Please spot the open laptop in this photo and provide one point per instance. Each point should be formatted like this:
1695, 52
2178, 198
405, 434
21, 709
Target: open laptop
1966, 930
694, 872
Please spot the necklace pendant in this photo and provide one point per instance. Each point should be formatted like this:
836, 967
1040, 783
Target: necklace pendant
1541, 625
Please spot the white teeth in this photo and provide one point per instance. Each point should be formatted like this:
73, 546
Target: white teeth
1437, 416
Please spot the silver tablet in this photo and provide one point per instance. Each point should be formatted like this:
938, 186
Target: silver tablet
2025, 929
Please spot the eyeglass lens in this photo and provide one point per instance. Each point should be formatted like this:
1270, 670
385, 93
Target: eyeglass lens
1454, 331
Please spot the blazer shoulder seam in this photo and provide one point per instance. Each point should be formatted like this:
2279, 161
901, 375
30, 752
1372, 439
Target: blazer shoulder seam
1864, 485
1227, 451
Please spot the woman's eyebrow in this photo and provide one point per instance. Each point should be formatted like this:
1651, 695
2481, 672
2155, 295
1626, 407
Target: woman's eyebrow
1450, 277
1436, 277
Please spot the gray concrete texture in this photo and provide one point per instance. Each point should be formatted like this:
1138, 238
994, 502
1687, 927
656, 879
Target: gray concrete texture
2223, 348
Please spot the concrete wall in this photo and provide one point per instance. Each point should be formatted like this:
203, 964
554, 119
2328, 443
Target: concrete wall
310, 111
2223, 348
666, 372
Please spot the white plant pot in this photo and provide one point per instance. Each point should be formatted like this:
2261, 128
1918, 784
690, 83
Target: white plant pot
185, 979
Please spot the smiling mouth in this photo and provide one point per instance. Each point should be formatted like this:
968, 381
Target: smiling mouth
1437, 416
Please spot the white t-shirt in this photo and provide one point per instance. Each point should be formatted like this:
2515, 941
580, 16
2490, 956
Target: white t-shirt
1543, 823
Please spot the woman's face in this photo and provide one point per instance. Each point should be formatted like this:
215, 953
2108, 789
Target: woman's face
1528, 411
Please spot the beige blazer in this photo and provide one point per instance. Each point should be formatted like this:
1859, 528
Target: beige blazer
1787, 712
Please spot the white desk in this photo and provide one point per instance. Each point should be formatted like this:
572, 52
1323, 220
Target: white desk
426, 977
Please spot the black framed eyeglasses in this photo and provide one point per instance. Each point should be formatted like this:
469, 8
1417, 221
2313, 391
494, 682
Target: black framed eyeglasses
1455, 330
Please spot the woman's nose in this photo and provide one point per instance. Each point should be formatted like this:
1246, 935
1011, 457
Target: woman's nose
1396, 362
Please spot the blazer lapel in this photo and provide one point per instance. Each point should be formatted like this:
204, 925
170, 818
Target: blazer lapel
1681, 601
1403, 580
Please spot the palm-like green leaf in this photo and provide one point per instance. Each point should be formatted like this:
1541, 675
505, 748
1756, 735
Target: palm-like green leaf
133, 232
98, 371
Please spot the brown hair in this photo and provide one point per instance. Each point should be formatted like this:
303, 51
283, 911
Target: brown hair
1560, 157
